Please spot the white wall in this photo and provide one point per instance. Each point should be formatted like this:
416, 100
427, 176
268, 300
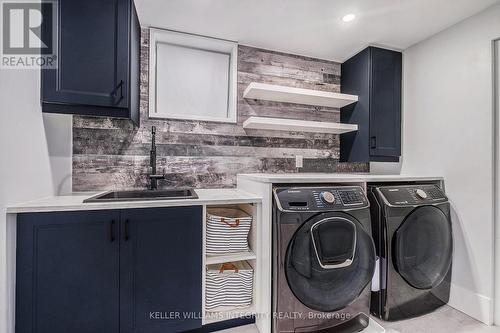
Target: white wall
33, 163
448, 131
497, 183
59, 134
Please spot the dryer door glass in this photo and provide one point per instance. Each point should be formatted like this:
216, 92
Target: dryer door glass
329, 261
423, 247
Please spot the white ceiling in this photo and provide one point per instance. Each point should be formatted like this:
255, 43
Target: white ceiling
311, 27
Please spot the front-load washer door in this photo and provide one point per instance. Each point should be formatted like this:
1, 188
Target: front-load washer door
329, 261
423, 246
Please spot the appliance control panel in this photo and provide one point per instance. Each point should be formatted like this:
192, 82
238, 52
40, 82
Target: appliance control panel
320, 198
412, 194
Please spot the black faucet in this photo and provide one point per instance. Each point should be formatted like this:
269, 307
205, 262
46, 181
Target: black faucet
153, 177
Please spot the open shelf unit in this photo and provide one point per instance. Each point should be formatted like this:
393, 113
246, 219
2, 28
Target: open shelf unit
281, 124
276, 93
227, 313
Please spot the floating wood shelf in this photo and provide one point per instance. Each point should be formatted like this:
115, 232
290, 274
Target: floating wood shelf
238, 256
281, 124
271, 92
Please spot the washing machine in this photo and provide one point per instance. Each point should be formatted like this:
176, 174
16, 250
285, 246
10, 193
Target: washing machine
413, 237
323, 259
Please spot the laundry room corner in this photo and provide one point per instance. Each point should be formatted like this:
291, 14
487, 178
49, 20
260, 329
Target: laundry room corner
250, 166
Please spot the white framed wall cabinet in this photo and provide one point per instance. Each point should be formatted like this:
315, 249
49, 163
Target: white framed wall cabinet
192, 77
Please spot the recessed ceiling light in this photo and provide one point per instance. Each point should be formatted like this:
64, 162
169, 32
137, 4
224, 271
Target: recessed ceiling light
348, 17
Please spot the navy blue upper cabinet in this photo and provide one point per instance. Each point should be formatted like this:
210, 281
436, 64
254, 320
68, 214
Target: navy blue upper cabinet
375, 76
161, 269
98, 60
67, 272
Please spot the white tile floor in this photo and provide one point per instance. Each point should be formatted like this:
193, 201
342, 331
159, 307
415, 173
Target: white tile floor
444, 320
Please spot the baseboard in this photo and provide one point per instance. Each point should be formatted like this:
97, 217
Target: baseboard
471, 303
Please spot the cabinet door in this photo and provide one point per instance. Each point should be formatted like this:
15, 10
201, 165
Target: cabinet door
92, 55
161, 269
385, 104
355, 80
67, 275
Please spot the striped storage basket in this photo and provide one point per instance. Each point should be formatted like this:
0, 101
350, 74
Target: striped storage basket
227, 230
229, 285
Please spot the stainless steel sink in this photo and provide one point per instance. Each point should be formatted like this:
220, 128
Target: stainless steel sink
138, 195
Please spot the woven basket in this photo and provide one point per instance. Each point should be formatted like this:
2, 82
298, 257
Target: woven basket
229, 285
227, 230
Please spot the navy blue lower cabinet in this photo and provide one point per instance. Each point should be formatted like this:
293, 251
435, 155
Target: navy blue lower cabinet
161, 269
114, 271
67, 272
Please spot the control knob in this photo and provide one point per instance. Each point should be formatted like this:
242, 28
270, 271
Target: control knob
327, 197
421, 194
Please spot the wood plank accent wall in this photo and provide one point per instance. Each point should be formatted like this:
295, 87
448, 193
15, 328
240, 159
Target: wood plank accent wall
112, 154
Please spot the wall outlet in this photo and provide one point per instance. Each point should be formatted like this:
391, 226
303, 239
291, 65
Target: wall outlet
299, 161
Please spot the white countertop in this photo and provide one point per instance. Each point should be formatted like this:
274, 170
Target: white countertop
74, 201
331, 177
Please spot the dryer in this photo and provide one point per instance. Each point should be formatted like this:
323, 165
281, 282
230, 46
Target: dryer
413, 237
323, 259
